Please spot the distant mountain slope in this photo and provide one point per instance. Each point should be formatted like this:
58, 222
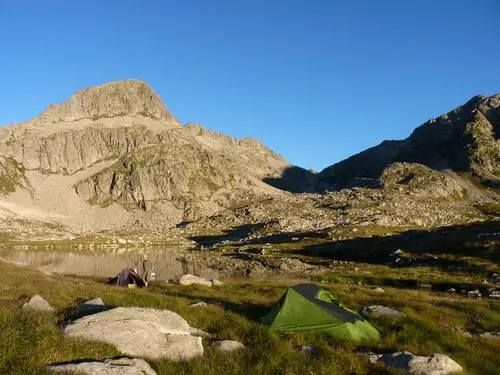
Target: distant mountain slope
118, 143
463, 140
114, 158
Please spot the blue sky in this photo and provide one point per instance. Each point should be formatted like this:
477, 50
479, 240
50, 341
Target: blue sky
316, 81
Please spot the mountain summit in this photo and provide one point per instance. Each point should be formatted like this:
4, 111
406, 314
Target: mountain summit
113, 155
129, 97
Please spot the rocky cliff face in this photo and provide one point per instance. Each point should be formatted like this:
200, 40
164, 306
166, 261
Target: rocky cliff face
187, 171
463, 140
71, 151
113, 157
118, 143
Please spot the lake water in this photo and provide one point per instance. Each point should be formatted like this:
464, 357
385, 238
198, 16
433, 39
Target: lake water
168, 263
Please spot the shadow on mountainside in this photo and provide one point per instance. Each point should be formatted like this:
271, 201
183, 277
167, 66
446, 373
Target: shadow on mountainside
296, 180
234, 234
241, 233
443, 247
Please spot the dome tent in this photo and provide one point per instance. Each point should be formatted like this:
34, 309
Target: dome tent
306, 307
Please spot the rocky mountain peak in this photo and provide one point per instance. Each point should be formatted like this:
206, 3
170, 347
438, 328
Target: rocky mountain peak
129, 97
465, 140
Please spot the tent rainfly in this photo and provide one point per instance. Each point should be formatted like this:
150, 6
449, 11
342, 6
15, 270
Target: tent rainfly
306, 307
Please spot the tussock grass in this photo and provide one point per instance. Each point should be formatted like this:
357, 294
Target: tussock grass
31, 340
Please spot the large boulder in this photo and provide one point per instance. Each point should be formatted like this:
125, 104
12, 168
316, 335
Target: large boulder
38, 303
121, 366
141, 332
191, 279
438, 364
381, 311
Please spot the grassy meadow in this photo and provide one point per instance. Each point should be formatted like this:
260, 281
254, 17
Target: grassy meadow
31, 340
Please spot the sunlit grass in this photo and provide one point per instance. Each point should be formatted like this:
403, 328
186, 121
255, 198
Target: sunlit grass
30, 340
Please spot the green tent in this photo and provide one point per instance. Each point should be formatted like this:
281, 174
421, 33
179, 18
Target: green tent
306, 307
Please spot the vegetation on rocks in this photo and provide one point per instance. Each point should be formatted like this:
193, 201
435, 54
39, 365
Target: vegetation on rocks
12, 176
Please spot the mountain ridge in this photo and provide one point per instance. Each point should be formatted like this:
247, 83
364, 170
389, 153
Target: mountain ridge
113, 158
119, 144
465, 140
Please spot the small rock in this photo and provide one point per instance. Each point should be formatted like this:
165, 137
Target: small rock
438, 364
425, 286
198, 332
198, 304
191, 279
92, 306
404, 261
382, 311
458, 330
38, 303
121, 366
418, 222
94, 302
495, 294
228, 346
309, 350
216, 282
398, 252
488, 335
474, 294
377, 289
451, 290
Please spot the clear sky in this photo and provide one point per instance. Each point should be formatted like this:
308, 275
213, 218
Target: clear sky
315, 80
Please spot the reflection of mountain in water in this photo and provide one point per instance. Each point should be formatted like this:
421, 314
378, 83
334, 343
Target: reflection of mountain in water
168, 264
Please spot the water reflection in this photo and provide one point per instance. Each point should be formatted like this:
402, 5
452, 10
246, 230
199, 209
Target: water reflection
168, 263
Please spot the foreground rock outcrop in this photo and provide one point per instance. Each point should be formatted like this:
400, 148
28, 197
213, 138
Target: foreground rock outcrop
141, 332
438, 364
121, 366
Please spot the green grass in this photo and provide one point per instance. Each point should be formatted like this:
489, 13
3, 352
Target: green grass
29, 341
12, 176
411, 277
